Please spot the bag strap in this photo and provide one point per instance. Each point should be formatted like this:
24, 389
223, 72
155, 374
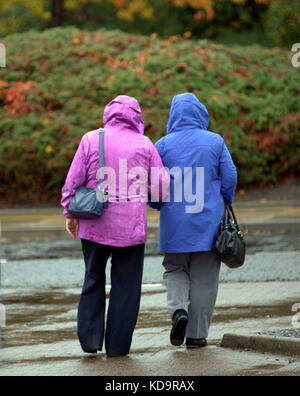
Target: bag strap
233, 215
101, 156
229, 215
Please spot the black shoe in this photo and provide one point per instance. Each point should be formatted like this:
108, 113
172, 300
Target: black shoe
91, 352
193, 343
180, 321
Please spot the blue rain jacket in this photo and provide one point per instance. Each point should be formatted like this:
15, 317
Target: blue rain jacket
192, 225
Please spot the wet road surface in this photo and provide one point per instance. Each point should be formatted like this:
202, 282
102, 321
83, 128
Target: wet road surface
40, 337
68, 248
259, 267
40, 288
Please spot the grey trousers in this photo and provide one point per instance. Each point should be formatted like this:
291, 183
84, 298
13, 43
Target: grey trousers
192, 281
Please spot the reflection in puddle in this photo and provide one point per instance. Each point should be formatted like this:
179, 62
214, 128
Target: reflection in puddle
228, 314
155, 317
50, 317
38, 319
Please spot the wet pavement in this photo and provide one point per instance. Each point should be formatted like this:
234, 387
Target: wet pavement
68, 248
42, 271
255, 218
67, 272
40, 337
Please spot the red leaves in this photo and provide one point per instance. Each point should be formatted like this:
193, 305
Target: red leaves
153, 130
270, 141
153, 91
44, 65
250, 124
265, 141
52, 163
288, 118
171, 54
116, 63
141, 59
240, 72
221, 81
297, 92
3, 85
232, 73
16, 98
28, 142
243, 71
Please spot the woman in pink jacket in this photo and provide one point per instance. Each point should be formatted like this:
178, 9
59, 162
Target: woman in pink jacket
120, 232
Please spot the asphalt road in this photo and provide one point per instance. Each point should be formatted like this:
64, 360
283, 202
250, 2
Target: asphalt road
67, 272
68, 248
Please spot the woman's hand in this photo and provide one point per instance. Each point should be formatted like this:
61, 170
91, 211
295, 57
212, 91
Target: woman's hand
72, 226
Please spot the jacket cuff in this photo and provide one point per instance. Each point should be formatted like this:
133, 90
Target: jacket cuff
68, 215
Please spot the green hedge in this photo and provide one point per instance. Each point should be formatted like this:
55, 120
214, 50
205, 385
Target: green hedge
58, 82
283, 22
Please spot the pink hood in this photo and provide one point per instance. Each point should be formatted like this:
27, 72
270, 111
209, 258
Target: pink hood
126, 111
123, 223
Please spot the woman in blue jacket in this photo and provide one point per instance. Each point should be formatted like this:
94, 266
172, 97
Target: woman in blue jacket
203, 176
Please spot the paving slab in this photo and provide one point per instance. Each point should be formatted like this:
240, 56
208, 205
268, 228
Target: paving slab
40, 337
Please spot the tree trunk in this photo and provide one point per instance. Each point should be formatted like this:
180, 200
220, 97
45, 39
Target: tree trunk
57, 13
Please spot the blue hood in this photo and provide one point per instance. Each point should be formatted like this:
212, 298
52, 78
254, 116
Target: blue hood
187, 112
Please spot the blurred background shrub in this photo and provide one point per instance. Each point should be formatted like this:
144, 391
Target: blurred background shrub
283, 22
59, 81
266, 22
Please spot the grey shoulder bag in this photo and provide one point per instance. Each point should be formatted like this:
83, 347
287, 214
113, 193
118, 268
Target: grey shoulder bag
88, 203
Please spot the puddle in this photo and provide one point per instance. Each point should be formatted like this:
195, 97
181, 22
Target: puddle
262, 370
50, 317
41, 338
38, 319
226, 315
153, 318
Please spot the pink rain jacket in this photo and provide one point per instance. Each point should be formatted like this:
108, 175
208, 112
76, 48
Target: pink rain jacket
123, 223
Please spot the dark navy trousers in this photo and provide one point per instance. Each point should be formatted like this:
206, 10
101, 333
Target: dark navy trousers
124, 301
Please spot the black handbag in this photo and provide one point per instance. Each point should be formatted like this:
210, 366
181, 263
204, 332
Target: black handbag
230, 244
88, 203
